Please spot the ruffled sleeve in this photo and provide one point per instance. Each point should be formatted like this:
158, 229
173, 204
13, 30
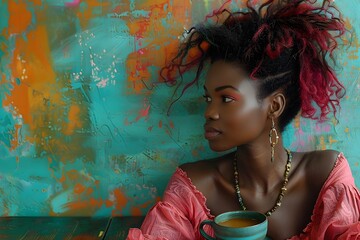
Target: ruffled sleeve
177, 216
336, 214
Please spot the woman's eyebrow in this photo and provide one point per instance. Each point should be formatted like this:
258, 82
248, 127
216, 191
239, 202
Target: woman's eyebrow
223, 87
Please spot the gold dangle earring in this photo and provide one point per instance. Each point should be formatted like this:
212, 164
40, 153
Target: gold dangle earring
274, 139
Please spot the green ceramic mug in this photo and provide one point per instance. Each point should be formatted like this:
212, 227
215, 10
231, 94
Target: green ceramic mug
237, 225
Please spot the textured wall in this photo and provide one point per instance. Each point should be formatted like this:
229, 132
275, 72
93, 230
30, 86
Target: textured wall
83, 124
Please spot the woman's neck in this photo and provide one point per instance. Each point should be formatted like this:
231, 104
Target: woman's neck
256, 169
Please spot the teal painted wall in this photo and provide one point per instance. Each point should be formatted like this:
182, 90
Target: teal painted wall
83, 124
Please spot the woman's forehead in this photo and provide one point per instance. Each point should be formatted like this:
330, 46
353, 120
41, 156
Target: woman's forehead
226, 73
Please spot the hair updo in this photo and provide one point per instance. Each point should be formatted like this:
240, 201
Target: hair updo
284, 44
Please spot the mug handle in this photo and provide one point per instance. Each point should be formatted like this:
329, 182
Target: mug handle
202, 232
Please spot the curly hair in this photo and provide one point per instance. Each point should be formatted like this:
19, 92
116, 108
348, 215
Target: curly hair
284, 44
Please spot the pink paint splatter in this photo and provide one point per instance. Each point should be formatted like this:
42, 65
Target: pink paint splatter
73, 3
317, 128
102, 83
143, 113
326, 128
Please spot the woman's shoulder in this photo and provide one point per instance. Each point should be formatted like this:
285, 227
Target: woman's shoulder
322, 158
205, 172
318, 165
200, 170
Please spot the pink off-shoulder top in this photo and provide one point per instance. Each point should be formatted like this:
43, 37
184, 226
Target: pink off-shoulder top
336, 214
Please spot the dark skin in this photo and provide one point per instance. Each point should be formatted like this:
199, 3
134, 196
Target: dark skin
235, 118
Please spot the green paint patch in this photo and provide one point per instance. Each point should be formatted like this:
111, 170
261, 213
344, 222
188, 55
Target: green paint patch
4, 15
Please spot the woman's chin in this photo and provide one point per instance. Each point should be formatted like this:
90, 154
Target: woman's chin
218, 147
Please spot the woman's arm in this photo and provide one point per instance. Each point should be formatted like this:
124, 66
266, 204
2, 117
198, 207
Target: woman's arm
177, 216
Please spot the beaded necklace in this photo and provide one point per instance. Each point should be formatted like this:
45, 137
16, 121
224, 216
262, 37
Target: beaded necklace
282, 190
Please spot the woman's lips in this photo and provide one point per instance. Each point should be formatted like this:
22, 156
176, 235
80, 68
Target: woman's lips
211, 133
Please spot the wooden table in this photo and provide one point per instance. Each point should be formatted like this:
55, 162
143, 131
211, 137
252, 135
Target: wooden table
66, 228
119, 227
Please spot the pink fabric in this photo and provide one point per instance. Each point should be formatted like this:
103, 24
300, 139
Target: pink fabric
336, 214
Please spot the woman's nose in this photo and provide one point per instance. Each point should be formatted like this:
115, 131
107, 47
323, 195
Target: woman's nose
211, 112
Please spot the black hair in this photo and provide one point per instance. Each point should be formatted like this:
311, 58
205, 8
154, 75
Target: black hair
282, 44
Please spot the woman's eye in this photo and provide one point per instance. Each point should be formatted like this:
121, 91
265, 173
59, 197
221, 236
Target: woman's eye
207, 98
227, 99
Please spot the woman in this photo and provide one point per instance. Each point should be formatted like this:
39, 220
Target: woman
266, 65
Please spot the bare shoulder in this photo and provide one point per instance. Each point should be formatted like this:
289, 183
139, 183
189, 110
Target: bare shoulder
204, 173
319, 165
200, 172
324, 159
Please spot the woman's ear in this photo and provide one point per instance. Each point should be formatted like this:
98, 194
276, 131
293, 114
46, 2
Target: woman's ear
277, 104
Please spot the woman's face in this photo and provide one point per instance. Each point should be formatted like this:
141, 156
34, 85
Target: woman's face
234, 116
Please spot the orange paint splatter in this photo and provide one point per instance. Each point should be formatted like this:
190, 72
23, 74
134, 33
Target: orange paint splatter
19, 17
297, 122
120, 200
108, 203
171, 124
195, 52
92, 203
36, 2
87, 14
74, 120
3, 76
96, 203
153, 32
160, 124
136, 210
62, 179
137, 65
352, 55
152, 5
322, 143
19, 107
35, 98
77, 205
331, 140
79, 188
195, 153
73, 175
32, 66
89, 191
